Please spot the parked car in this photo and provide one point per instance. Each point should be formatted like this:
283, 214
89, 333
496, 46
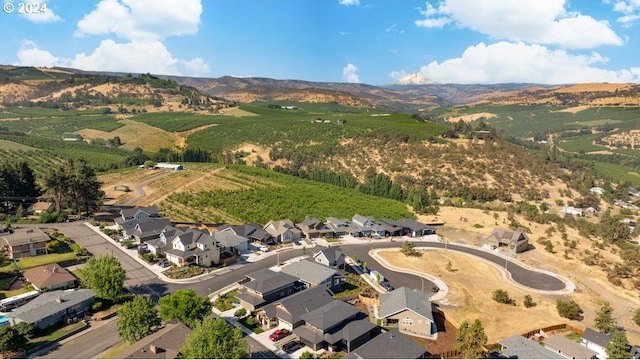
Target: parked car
165, 264
493, 247
264, 248
435, 289
385, 284
279, 334
292, 346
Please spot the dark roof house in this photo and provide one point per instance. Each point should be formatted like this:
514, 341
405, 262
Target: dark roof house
288, 311
314, 274
266, 286
389, 345
331, 257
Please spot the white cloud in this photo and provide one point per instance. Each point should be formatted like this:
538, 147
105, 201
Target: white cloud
349, 2
350, 73
506, 62
46, 15
394, 28
196, 67
141, 19
135, 56
540, 21
630, 10
30, 55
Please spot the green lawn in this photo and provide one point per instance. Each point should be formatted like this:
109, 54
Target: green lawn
53, 333
39, 260
5, 283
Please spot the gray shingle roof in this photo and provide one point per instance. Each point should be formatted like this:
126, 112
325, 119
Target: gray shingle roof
331, 254
520, 347
26, 236
46, 305
510, 236
330, 315
303, 302
268, 281
167, 341
229, 239
569, 348
596, 337
405, 298
309, 271
389, 345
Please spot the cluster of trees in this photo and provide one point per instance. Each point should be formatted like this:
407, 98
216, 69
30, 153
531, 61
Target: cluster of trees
73, 184
16, 180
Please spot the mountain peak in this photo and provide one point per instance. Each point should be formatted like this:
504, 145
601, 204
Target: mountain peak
414, 78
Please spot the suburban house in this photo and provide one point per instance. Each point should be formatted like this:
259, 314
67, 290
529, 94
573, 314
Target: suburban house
569, 349
343, 227
163, 241
390, 227
313, 274
367, 226
331, 257
389, 345
570, 210
147, 230
514, 241
283, 231
231, 242
251, 231
40, 207
162, 344
414, 228
266, 286
313, 228
519, 347
53, 307
596, 341
130, 217
286, 313
193, 247
328, 325
49, 277
408, 227
408, 310
25, 242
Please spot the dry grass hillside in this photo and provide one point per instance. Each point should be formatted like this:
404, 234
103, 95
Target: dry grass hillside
596, 94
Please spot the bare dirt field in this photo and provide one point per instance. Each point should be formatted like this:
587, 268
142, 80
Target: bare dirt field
472, 117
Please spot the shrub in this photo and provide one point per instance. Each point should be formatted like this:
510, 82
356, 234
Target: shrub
502, 297
528, 301
569, 309
240, 312
636, 317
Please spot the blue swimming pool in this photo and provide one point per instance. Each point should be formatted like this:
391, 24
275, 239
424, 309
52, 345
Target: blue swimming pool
3, 320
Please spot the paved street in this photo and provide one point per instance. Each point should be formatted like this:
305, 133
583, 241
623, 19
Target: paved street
92, 342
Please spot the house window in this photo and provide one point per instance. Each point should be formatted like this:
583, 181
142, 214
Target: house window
407, 321
336, 281
289, 292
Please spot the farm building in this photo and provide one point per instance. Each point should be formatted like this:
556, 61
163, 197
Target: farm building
168, 166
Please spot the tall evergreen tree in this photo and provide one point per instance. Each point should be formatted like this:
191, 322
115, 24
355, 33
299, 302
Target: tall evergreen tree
604, 321
618, 347
471, 340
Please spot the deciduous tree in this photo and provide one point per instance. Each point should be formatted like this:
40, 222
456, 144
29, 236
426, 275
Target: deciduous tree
569, 309
214, 339
185, 306
137, 319
11, 341
105, 276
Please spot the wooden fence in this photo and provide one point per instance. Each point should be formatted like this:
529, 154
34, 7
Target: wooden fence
368, 301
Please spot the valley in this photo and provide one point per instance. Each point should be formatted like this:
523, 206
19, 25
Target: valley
470, 158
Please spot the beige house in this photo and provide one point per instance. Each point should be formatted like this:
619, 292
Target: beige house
512, 241
408, 310
25, 243
49, 277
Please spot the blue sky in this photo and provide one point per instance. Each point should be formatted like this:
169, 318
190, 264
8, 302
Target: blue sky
375, 42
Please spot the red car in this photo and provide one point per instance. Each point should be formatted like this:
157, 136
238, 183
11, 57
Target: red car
278, 334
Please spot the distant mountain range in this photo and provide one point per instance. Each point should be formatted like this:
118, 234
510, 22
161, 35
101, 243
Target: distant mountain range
412, 94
